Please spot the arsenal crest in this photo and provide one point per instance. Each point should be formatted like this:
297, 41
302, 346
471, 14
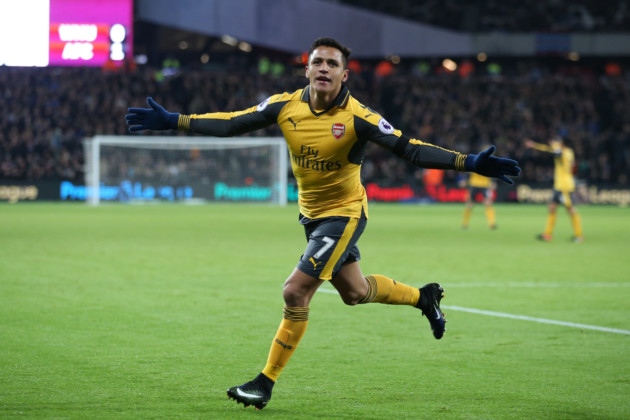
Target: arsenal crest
338, 130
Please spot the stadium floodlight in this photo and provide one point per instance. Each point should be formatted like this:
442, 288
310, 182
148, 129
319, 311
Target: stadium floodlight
185, 169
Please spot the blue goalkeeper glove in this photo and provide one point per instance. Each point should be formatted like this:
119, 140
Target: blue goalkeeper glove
492, 166
154, 118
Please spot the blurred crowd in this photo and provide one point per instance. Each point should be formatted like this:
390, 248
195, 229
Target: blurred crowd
45, 113
508, 15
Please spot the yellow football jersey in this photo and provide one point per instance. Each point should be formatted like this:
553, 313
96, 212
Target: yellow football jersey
326, 147
564, 163
479, 181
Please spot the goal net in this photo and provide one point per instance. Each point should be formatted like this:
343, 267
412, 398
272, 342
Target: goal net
185, 169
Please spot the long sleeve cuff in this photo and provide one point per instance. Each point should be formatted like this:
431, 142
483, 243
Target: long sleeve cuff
462, 161
183, 122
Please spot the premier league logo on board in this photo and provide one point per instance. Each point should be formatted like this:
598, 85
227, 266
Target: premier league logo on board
338, 130
385, 127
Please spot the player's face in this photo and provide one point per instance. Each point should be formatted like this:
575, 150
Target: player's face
325, 70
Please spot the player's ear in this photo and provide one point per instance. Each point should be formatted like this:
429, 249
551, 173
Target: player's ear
306, 71
346, 73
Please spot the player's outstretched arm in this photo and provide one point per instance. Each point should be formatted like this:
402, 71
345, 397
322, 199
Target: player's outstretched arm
531, 144
492, 166
153, 118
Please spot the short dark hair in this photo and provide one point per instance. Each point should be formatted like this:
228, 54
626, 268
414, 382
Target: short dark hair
333, 43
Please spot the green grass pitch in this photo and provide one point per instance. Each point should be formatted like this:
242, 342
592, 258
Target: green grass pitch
124, 311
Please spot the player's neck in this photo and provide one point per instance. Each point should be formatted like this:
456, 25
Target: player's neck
322, 100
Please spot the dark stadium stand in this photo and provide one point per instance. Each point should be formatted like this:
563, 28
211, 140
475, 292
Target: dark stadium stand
47, 112
507, 15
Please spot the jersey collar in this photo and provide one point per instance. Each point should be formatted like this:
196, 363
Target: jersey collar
340, 101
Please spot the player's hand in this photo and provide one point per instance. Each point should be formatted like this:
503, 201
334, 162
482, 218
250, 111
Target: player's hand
154, 118
492, 166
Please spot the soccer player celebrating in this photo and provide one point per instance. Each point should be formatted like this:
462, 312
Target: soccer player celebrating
327, 130
563, 186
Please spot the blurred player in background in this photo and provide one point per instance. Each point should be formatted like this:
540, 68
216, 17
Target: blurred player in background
327, 131
563, 186
479, 185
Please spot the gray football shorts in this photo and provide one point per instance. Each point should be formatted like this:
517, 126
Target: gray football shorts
331, 243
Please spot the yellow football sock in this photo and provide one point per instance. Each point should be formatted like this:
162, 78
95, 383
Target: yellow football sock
289, 334
551, 221
385, 290
490, 216
467, 213
577, 224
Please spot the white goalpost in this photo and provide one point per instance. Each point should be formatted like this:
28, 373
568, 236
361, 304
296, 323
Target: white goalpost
185, 169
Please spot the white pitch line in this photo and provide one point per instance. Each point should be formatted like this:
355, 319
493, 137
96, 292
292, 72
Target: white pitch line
568, 285
518, 317
539, 320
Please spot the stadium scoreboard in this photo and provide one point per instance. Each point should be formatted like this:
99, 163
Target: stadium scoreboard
40, 33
